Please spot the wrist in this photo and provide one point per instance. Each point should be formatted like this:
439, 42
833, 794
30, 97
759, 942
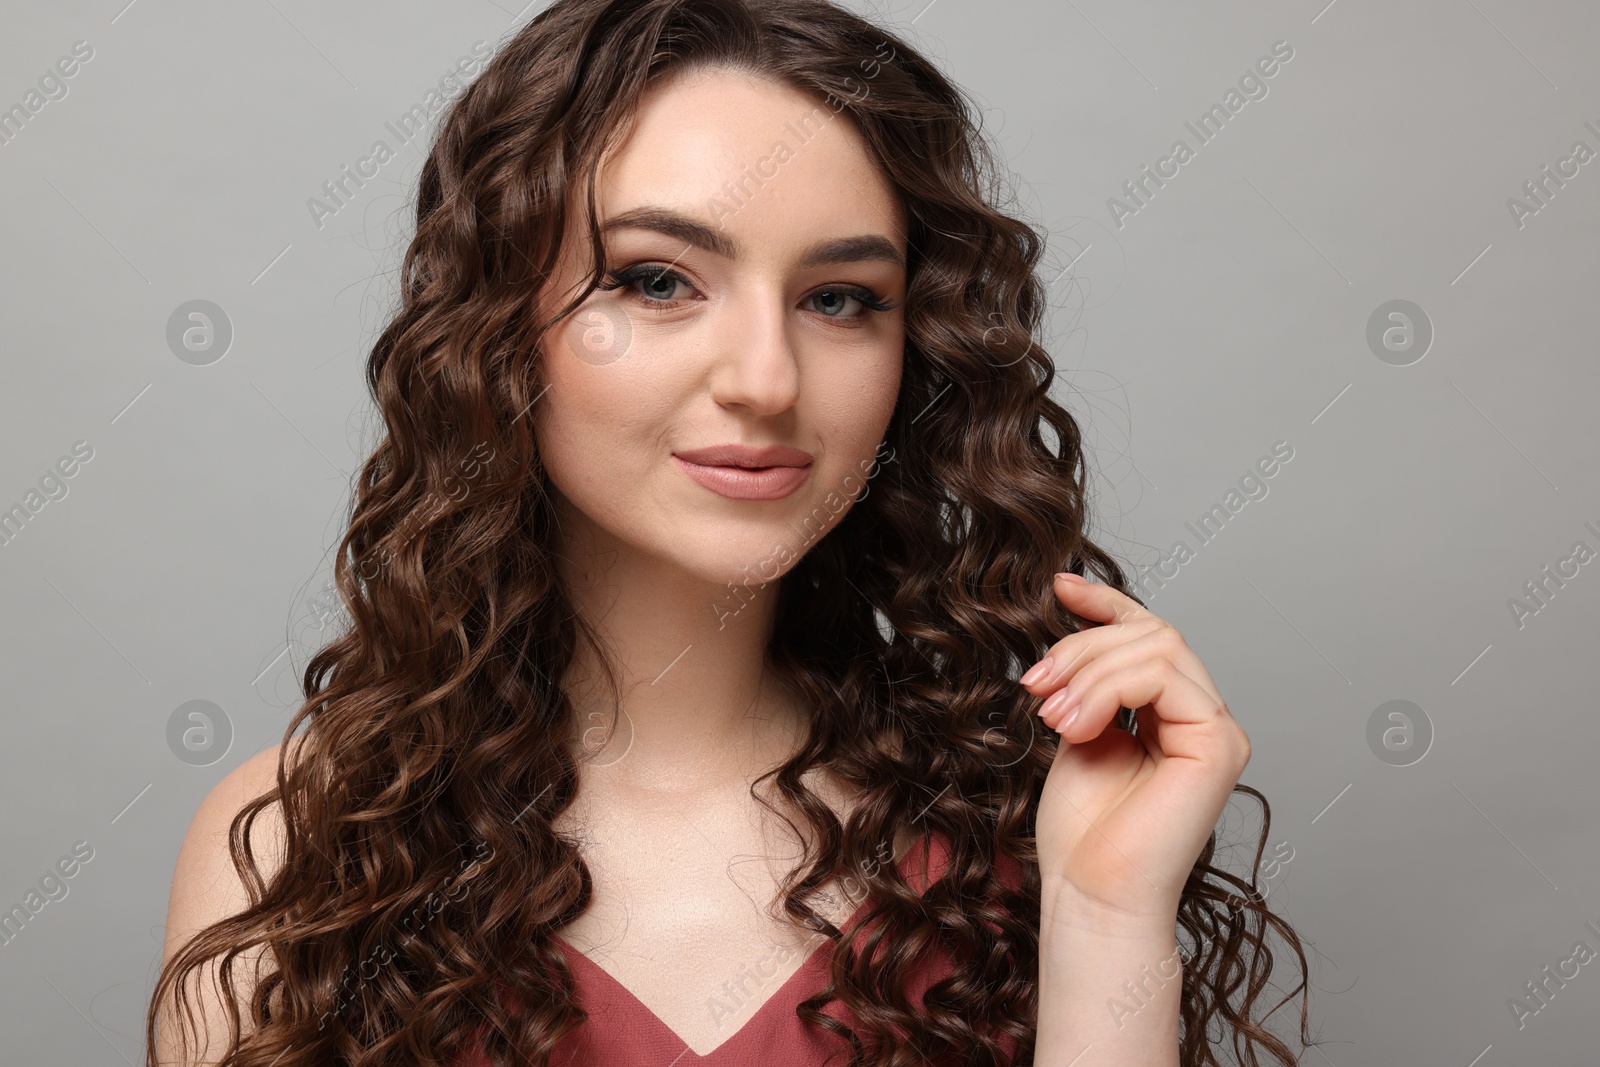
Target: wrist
1110, 979
1066, 912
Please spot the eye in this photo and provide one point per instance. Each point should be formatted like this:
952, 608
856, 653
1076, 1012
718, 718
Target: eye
654, 284
657, 285
832, 301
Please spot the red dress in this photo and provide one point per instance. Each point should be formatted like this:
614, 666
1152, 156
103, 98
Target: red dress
622, 1032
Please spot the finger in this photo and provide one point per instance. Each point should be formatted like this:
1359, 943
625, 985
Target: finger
1144, 721
1232, 751
1073, 651
1095, 600
1191, 722
1159, 641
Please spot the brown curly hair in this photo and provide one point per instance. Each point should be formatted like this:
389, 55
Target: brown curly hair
436, 748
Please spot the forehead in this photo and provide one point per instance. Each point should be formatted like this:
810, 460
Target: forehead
764, 162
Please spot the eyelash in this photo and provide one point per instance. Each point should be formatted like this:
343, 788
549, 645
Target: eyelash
649, 271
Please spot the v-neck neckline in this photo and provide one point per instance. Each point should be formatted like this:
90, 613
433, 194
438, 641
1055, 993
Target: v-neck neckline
806, 966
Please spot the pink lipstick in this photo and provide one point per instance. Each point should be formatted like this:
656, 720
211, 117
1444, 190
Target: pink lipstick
743, 472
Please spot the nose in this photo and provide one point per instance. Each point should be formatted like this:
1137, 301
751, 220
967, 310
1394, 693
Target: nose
757, 369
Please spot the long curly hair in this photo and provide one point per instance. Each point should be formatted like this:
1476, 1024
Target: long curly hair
422, 875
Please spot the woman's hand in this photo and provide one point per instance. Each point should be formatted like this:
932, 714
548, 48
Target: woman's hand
1123, 818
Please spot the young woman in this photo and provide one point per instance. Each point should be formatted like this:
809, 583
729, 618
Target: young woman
721, 684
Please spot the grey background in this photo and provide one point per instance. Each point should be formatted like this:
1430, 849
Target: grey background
1228, 314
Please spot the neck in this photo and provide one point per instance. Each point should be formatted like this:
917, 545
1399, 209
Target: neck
697, 705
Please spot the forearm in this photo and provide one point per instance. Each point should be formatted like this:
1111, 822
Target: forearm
1108, 992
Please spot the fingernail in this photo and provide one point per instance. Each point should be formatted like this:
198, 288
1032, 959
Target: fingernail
1054, 701
1075, 579
1038, 672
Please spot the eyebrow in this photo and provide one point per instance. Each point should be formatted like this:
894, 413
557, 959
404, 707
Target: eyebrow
857, 249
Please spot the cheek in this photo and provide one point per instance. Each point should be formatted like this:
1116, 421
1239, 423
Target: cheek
853, 410
885, 384
599, 428
577, 428
859, 399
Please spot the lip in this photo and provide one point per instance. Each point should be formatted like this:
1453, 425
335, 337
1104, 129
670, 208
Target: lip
735, 455
744, 472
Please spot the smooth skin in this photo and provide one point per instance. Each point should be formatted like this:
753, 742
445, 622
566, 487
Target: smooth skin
754, 347
755, 343
1121, 822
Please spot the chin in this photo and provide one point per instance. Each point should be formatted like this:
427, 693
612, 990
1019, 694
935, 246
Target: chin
746, 559
751, 560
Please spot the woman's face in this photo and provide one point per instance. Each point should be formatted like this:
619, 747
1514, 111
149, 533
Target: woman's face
751, 233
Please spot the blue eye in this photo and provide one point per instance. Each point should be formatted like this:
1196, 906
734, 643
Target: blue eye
838, 294
832, 297
654, 279
655, 284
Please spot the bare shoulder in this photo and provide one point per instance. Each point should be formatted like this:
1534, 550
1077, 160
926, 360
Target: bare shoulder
205, 881
206, 888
